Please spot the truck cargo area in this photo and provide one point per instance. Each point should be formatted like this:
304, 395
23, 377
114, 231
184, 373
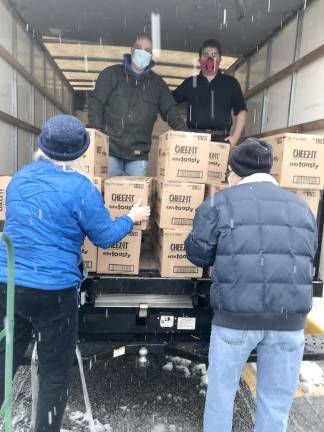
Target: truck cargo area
51, 53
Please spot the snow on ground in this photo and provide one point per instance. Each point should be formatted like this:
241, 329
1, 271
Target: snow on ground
126, 398
188, 369
311, 375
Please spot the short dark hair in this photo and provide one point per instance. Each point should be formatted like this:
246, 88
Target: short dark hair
142, 36
210, 43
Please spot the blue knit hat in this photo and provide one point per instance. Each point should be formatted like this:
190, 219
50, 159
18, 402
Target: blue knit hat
64, 138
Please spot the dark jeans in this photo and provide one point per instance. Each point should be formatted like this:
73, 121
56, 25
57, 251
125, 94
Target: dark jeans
53, 318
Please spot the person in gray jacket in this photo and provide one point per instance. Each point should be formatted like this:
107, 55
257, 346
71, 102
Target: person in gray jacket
261, 241
125, 104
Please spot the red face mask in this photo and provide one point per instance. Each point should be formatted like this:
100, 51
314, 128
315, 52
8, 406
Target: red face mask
210, 65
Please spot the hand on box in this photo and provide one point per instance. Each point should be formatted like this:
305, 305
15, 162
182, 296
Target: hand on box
139, 213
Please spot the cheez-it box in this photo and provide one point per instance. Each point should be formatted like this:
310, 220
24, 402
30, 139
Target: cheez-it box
172, 258
98, 182
176, 203
89, 255
4, 181
183, 156
95, 159
218, 161
212, 188
298, 160
123, 257
312, 198
121, 193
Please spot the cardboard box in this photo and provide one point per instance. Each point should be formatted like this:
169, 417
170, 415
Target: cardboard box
4, 181
122, 258
212, 188
312, 198
90, 255
121, 193
95, 159
176, 203
298, 160
172, 258
218, 161
183, 156
99, 183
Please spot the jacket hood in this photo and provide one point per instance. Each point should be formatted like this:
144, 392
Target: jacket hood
127, 62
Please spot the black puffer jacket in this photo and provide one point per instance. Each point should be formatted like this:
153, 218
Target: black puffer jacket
261, 241
126, 106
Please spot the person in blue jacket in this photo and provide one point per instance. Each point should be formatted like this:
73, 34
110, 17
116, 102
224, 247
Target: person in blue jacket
261, 241
51, 206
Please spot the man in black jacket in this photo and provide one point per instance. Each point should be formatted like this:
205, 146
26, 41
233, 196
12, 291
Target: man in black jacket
212, 97
125, 104
261, 241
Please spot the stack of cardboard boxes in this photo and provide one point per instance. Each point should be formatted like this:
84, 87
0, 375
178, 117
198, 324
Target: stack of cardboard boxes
182, 172
298, 165
95, 163
217, 166
190, 167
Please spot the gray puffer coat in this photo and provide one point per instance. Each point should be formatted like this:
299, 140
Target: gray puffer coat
261, 241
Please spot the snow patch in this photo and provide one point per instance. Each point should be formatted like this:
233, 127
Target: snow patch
80, 418
311, 373
159, 428
168, 367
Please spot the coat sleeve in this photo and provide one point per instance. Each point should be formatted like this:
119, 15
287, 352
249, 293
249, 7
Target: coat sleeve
95, 220
180, 93
201, 243
99, 98
168, 109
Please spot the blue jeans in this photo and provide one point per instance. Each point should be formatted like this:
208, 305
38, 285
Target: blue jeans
119, 167
278, 363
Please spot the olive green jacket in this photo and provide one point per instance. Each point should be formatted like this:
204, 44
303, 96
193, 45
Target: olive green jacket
126, 106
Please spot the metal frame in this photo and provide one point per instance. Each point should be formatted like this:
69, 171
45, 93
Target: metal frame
299, 32
8, 334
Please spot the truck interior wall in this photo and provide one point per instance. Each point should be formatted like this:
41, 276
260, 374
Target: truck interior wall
29, 98
297, 98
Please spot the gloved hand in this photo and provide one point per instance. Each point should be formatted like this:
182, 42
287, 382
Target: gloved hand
139, 213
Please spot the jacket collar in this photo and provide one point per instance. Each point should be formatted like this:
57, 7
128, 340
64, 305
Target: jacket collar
127, 63
259, 177
202, 77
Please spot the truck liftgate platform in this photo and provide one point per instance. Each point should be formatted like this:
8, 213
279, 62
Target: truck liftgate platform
122, 314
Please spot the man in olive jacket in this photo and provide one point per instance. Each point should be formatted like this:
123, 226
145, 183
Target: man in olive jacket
125, 104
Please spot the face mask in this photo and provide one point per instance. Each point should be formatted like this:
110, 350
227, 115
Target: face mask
141, 58
229, 179
210, 65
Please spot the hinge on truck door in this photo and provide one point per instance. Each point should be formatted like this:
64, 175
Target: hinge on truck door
143, 311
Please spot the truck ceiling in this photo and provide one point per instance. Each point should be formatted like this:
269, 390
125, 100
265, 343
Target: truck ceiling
106, 29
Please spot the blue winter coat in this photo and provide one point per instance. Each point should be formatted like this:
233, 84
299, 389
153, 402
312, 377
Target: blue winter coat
48, 214
261, 241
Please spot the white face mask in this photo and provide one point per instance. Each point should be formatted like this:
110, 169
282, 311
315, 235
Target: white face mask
141, 58
229, 179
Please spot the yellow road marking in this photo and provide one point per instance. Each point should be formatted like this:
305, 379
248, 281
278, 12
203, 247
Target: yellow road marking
249, 377
315, 322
